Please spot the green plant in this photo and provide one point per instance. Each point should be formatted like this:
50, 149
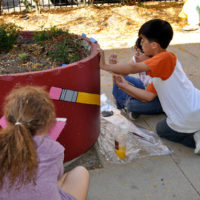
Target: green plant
62, 46
47, 34
65, 49
8, 36
22, 56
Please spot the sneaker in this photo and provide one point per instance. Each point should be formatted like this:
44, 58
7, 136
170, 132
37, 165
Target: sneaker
191, 28
132, 116
197, 142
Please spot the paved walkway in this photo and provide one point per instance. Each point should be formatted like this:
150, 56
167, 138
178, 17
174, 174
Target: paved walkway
171, 177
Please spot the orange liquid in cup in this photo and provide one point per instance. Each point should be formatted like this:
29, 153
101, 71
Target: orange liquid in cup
121, 152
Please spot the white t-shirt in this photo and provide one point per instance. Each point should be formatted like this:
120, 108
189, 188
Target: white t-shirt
180, 100
146, 79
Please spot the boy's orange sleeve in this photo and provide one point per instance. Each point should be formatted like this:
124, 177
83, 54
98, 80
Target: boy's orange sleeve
151, 88
161, 65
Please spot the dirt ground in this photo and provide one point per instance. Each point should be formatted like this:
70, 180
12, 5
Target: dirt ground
104, 19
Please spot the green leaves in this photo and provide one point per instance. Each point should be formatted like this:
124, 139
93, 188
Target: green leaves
47, 34
8, 36
22, 56
62, 46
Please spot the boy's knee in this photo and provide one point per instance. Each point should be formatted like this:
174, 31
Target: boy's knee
132, 106
129, 78
159, 129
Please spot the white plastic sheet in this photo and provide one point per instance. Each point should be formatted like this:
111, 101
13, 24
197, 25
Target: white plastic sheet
140, 143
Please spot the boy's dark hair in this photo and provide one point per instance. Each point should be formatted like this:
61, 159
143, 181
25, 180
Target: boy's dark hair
138, 44
157, 30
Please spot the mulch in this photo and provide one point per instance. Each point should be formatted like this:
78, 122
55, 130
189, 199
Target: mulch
26, 56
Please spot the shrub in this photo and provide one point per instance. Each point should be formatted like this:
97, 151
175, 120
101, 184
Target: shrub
47, 34
62, 46
8, 36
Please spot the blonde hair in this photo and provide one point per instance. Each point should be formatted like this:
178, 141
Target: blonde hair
28, 110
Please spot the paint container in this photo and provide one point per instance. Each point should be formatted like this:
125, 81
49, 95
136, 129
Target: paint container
120, 141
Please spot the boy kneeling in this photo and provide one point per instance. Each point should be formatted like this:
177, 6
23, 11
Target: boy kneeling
180, 100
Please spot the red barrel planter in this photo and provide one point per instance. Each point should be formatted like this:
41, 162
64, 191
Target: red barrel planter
83, 120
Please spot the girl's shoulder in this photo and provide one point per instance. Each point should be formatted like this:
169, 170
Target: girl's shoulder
45, 145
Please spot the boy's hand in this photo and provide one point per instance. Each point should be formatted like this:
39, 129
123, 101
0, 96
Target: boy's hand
120, 81
113, 59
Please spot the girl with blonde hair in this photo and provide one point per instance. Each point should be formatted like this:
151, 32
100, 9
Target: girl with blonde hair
31, 164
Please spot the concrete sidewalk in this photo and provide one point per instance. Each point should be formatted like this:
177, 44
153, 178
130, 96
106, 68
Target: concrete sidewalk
171, 177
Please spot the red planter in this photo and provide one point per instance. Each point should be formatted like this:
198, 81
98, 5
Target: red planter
83, 119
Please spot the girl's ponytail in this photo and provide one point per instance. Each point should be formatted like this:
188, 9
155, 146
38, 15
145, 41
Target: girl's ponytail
18, 158
29, 111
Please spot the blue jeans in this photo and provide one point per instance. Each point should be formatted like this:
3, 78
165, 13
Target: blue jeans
163, 130
134, 105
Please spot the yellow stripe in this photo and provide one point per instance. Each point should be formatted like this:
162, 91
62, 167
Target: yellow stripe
88, 98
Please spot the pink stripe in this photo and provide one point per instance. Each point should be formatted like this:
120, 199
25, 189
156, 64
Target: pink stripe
55, 93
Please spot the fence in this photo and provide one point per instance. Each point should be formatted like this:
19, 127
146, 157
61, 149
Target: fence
27, 5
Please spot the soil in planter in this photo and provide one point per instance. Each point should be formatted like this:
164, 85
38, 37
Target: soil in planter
26, 56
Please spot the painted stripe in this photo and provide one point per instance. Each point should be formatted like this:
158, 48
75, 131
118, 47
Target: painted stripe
69, 95
62, 96
88, 98
74, 96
